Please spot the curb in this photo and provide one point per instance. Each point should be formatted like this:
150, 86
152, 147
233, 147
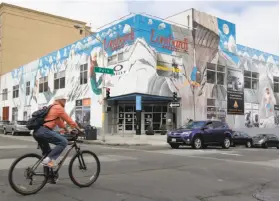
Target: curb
115, 143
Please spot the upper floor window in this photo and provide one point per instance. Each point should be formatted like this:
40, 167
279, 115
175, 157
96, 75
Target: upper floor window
84, 74
15, 91
43, 84
276, 84
59, 80
5, 94
27, 88
251, 80
215, 74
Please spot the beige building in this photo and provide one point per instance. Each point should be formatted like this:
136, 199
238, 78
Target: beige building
26, 35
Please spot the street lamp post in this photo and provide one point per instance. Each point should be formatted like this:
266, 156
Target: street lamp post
104, 102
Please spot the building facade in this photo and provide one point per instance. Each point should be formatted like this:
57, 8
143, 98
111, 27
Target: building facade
197, 58
26, 35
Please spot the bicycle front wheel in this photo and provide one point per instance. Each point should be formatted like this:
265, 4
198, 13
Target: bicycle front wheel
86, 162
34, 174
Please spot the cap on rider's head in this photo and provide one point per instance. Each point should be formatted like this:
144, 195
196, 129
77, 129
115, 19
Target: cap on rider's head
60, 97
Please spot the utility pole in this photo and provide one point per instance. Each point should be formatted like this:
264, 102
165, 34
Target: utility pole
104, 101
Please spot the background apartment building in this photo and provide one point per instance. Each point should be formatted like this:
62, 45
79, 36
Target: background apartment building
27, 34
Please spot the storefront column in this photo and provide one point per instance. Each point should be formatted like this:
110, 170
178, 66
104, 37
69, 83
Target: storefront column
138, 114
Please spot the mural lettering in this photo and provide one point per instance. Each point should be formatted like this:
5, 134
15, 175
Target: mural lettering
170, 43
119, 42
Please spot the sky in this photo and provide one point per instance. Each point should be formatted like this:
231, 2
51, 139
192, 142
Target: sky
257, 23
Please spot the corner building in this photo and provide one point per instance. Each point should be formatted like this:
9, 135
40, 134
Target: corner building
151, 59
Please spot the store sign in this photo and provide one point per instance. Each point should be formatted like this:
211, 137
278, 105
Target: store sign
235, 92
248, 105
255, 106
276, 107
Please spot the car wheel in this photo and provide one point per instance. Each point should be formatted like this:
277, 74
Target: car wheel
277, 147
174, 146
5, 132
265, 145
197, 143
248, 144
226, 143
13, 132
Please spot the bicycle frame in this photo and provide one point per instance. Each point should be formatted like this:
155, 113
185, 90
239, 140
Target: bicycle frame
74, 145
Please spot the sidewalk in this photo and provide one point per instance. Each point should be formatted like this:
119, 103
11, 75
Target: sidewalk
129, 140
113, 140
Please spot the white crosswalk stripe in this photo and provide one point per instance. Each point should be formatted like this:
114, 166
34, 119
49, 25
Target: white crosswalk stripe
6, 163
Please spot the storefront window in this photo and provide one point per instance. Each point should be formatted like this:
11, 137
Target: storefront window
82, 112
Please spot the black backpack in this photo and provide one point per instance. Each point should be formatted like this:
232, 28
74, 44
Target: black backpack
38, 118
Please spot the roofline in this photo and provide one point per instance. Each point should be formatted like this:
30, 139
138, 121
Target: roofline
179, 13
39, 12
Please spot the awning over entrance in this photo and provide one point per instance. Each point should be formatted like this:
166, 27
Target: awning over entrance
145, 97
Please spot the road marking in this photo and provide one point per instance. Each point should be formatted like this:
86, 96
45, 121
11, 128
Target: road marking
6, 163
230, 154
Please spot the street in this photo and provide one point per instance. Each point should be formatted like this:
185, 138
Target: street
158, 173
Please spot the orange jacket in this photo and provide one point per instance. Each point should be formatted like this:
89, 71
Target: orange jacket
57, 111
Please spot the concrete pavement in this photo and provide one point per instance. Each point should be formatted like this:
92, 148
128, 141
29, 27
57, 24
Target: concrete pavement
158, 173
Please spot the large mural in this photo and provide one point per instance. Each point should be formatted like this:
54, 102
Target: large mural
149, 56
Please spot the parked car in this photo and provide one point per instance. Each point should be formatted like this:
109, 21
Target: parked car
241, 138
266, 140
2, 124
200, 134
16, 127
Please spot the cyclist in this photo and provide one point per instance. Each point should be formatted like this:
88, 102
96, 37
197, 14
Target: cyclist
45, 134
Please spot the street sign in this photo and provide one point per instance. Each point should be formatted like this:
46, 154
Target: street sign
174, 104
104, 70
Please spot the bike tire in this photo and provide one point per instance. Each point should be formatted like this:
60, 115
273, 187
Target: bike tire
10, 175
70, 169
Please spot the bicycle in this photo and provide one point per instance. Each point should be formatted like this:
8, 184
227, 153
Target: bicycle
52, 173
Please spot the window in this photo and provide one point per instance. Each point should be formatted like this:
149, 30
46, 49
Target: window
276, 84
14, 113
215, 74
27, 88
59, 80
84, 74
218, 124
5, 94
216, 109
251, 80
15, 91
43, 84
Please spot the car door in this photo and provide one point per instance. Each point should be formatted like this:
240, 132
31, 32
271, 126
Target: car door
208, 133
272, 141
243, 138
218, 132
236, 138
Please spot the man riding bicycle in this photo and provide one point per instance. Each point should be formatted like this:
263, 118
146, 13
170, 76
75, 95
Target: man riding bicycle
45, 134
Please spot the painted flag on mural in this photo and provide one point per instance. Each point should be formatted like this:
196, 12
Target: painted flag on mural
194, 73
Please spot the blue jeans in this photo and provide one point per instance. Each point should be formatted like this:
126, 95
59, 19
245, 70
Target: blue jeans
44, 136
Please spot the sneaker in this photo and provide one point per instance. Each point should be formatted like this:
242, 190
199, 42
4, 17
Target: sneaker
48, 162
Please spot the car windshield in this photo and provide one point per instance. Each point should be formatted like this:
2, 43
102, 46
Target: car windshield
21, 122
260, 136
193, 125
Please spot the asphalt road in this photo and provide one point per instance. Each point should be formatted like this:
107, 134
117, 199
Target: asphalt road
158, 173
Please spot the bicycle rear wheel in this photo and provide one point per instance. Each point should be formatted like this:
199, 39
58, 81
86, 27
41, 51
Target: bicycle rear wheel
30, 175
81, 159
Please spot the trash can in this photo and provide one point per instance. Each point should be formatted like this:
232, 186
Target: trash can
91, 132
